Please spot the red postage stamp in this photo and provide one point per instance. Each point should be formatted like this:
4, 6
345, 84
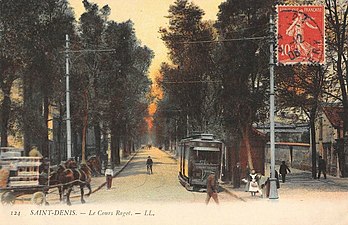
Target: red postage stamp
301, 35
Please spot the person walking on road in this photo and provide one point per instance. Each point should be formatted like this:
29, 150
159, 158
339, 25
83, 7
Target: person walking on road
212, 188
321, 167
149, 163
109, 173
284, 170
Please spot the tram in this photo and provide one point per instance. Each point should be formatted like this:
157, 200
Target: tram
198, 156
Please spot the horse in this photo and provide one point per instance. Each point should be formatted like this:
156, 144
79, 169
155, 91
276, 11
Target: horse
93, 162
55, 179
68, 175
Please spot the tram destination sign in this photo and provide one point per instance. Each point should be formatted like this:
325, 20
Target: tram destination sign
300, 34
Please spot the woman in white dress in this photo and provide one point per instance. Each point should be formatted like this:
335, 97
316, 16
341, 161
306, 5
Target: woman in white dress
253, 184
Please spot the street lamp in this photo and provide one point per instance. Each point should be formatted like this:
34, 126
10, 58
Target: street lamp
273, 185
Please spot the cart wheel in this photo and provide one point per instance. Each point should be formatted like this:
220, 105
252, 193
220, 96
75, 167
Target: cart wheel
38, 198
8, 198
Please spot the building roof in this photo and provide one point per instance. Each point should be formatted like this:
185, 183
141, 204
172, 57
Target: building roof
334, 115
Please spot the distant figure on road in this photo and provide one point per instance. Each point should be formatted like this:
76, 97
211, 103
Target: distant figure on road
149, 163
284, 170
321, 167
212, 188
34, 152
109, 173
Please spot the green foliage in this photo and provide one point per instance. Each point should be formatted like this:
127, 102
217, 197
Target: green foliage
114, 84
243, 63
192, 82
32, 33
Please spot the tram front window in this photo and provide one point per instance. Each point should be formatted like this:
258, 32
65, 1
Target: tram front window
206, 157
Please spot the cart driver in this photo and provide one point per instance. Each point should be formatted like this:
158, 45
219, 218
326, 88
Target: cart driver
34, 152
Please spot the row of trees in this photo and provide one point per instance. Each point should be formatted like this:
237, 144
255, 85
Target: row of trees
108, 88
218, 81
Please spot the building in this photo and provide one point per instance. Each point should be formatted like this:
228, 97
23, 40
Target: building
329, 130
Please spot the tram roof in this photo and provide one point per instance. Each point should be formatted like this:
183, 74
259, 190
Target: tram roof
201, 137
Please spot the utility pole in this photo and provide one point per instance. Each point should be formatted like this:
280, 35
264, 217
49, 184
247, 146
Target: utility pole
68, 119
273, 185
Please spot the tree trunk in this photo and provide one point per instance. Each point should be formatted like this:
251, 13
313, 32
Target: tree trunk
313, 141
5, 116
117, 155
76, 141
227, 165
125, 150
97, 137
105, 143
129, 146
125, 142
26, 113
44, 141
115, 147
236, 159
59, 134
84, 129
246, 139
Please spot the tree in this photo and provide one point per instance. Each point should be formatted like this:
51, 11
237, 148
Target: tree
11, 59
92, 27
125, 86
243, 65
39, 24
302, 87
192, 81
337, 30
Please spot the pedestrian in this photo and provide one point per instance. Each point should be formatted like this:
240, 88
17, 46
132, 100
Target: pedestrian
321, 167
109, 173
212, 188
253, 183
149, 163
284, 170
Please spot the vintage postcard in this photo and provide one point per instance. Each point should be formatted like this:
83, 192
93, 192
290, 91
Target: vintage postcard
171, 112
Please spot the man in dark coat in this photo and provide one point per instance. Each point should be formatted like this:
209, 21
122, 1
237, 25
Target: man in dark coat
212, 188
284, 170
321, 167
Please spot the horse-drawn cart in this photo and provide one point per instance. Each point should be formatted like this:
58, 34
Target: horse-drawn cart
38, 193
20, 176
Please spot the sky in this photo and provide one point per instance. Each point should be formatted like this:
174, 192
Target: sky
148, 16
